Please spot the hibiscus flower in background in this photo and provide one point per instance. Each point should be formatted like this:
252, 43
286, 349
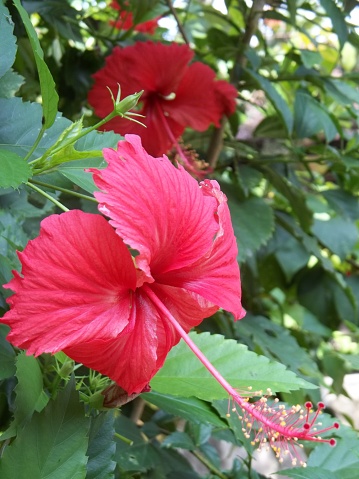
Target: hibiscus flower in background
125, 19
177, 94
81, 291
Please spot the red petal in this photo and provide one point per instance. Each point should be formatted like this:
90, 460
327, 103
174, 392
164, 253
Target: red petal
156, 208
155, 68
135, 356
226, 97
76, 285
155, 137
216, 276
196, 104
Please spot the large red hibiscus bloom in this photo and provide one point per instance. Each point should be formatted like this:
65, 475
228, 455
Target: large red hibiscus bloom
81, 290
176, 95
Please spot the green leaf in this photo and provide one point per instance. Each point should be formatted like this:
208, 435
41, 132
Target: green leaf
10, 83
189, 408
344, 203
338, 234
7, 355
49, 95
7, 40
19, 134
53, 444
275, 98
294, 195
275, 341
253, 221
341, 91
13, 170
101, 447
184, 375
310, 58
338, 21
80, 177
60, 15
343, 459
179, 439
30, 395
309, 473
289, 252
310, 117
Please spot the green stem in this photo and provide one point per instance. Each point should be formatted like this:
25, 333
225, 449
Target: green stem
84, 132
49, 197
64, 190
209, 465
37, 141
123, 439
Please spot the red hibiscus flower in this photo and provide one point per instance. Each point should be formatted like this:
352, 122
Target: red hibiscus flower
81, 291
125, 21
176, 94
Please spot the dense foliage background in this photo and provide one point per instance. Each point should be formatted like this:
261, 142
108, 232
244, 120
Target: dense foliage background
288, 161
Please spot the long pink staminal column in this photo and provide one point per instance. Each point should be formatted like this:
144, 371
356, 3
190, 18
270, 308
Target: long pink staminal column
279, 425
189, 165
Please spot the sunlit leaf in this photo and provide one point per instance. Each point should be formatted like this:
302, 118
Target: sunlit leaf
13, 170
337, 18
184, 375
50, 97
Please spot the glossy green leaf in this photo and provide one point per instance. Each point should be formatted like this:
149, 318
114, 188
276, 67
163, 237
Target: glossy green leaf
13, 170
338, 234
50, 97
101, 448
276, 342
310, 117
253, 221
7, 40
189, 408
290, 253
184, 375
53, 444
30, 396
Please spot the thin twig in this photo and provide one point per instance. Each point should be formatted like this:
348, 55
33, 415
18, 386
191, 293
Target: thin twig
179, 24
216, 143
